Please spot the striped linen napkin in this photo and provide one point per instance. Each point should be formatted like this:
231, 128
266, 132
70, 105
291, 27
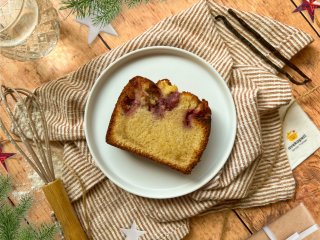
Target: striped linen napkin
251, 177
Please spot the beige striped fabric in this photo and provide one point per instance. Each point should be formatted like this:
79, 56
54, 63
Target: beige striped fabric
253, 174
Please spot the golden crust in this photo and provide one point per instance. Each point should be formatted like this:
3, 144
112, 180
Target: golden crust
204, 124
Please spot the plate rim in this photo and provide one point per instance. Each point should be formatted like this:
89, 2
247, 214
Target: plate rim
164, 48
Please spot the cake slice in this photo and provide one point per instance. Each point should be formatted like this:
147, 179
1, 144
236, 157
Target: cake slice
154, 120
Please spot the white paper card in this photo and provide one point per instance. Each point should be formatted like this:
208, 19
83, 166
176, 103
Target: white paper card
301, 135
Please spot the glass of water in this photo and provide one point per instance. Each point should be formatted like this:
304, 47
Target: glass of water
29, 29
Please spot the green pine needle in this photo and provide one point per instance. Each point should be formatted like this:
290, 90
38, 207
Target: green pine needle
12, 218
103, 10
9, 224
22, 208
26, 233
5, 187
46, 232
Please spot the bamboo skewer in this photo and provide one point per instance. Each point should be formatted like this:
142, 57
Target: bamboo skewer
39, 156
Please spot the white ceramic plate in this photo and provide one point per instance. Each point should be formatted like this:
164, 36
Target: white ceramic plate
141, 176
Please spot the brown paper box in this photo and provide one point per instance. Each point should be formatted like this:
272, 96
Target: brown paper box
296, 220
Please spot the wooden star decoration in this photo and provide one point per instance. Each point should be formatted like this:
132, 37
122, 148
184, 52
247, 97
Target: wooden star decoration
310, 6
94, 30
132, 233
4, 157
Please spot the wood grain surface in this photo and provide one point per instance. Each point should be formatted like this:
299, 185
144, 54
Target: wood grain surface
73, 51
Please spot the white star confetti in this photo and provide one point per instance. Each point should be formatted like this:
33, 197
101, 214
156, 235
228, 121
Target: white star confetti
94, 30
132, 233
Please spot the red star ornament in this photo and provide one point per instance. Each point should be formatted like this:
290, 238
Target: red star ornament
4, 157
309, 5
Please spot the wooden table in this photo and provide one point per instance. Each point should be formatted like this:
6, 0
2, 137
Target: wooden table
73, 51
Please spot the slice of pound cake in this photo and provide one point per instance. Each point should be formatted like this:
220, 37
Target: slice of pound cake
160, 123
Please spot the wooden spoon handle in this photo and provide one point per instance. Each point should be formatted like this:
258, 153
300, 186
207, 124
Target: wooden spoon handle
61, 205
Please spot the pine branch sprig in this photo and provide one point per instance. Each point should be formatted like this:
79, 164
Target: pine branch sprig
103, 10
45, 232
11, 218
5, 188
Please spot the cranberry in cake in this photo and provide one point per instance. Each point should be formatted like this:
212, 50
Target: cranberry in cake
156, 121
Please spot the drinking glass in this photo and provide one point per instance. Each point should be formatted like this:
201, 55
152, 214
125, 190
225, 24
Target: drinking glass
29, 29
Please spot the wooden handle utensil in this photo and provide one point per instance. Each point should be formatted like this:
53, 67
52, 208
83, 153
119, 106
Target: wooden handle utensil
61, 205
37, 152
